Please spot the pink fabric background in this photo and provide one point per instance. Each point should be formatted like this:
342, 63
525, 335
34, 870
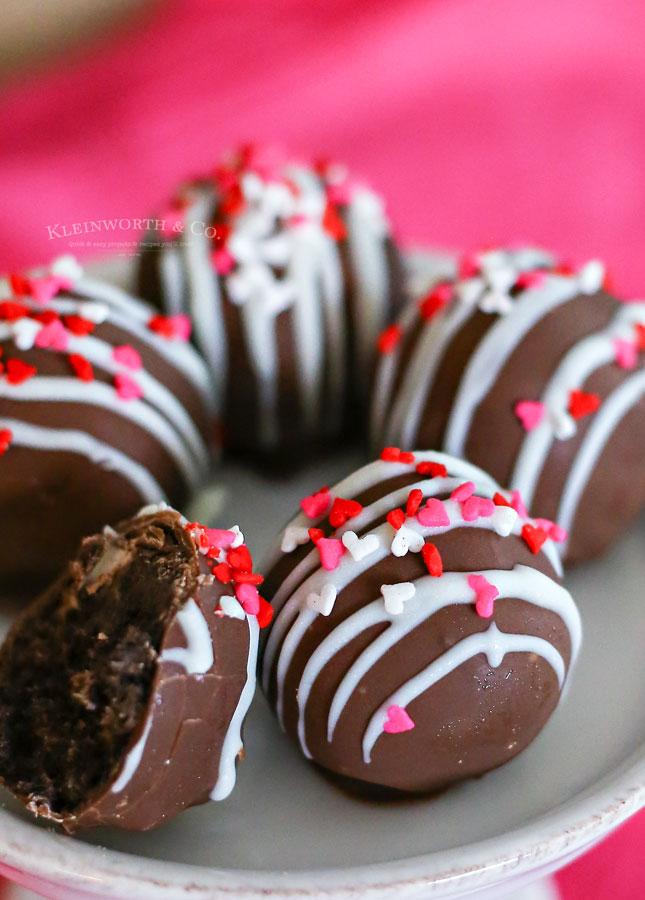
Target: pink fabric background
480, 121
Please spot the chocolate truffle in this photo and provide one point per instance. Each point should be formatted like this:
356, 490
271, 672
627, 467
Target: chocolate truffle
289, 272
533, 371
422, 635
124, 687
104, 407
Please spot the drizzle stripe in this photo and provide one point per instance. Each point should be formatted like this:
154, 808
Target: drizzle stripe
69, 441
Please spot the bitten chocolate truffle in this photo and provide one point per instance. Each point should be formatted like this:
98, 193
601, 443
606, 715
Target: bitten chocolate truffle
533, 371
289, 271
123, 689
422, 635
104, 407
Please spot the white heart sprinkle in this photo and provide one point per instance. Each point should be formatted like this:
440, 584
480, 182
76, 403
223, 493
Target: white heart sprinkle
469, 291
93, 312
231, 607
395, 595
24, 333
323, 602
405, 539
360, 547
238, 540
503, 520
293, 537
564, 425
496, 302
591, 276
67, 267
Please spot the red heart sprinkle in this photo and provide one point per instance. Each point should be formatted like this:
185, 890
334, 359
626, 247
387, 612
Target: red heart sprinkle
333, 223
6, 437
265, 613
396, 518
414, 502
247, 578
19, 371
432, 559
500, 500
315, 534
433, 469
20, 285
223, 573
78, 325
582, 404
240, 559
82, 367
436, 300
640, 336
47, 316
388, 339
534, 537
11, 312
342, 510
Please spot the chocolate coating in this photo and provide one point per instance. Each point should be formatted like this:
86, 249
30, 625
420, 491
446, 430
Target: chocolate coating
289, 289
131, 651
591, 476
82, 453
333, 678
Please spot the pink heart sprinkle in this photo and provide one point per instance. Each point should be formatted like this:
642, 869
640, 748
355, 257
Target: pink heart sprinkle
397, 720
53, 335
316, 504
331, 550
127, 356
626, 353
485, 593
43, 289
223, 261
476, 508
182, 326
518, 505
433, 514
219, 537
463, 492
127, 388
556, 532
530, 413
249, 597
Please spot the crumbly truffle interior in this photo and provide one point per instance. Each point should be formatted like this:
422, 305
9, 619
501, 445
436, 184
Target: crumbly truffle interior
76, 672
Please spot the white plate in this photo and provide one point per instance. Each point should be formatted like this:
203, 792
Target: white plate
287, 834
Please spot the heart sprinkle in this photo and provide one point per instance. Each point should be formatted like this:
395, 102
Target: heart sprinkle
406, 539
433, 514
432, 559
397, 720
323, 602
582, 404
463, 492
293, 537
127, 388
395, 595
534, 537
331, 550
485, 594
360, 547
317, 504
530, 413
